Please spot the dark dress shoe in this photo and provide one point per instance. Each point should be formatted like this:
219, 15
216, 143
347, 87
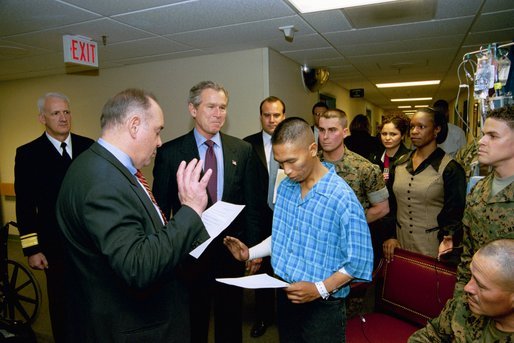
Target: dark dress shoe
258, 328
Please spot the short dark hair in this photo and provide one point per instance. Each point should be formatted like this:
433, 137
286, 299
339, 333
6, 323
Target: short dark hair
505, 113
272, 98
359, 124
319, 104
441, 105
399, 120
292, 130
439, 120
117, 108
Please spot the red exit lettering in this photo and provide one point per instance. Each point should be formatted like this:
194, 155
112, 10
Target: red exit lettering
83, 51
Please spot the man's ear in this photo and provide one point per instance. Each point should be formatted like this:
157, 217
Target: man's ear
313, 149
41, 118
133, 125
192, 110
346, 132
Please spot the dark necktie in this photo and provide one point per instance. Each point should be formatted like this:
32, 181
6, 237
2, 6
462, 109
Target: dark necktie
65, 155
143, 181
273, 169
211, 163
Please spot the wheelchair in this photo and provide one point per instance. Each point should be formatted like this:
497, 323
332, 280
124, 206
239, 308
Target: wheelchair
20, 295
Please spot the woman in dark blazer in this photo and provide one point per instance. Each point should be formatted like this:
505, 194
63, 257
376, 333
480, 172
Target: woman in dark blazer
392, 133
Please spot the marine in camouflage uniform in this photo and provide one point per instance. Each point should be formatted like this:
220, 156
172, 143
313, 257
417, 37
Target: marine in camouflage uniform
457, 323
363, 177
486, 218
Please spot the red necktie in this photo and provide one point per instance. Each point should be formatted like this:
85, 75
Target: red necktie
143, 181
211, 163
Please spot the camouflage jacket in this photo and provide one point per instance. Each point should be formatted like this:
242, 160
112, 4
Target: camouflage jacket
363, 177
457, 323
485, 219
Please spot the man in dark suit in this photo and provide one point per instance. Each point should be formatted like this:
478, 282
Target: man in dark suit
235, 173
272, 112
122, 250
38, 173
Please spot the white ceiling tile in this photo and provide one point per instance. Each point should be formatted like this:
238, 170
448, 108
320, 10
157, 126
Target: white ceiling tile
261, 31
140, 48
20, 16
497, 5
31, 37
205, 14
494, 21
327, 21
108, 8
115, 32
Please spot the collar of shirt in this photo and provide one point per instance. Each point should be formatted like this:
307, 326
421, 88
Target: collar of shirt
322, 187
57, 144
266, 140
202, 148
120, 155
434, 160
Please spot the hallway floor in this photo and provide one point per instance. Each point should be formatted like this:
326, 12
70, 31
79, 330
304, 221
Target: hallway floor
42, 324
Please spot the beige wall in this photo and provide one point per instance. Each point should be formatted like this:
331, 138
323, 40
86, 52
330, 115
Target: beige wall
249, 76
169, 80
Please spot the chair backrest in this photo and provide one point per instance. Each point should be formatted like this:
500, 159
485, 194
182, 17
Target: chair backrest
416, 287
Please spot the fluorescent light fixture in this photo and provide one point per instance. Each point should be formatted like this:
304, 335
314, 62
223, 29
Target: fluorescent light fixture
408, 84
411, 99
405, 106
408, 111
308, 6
420, 106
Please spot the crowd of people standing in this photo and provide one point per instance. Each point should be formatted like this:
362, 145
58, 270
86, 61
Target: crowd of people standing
347, 201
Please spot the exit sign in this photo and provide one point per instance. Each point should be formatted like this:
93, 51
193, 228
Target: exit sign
80, 50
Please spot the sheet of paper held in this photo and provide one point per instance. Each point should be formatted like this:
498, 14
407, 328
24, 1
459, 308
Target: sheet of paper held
216, 219
255, 281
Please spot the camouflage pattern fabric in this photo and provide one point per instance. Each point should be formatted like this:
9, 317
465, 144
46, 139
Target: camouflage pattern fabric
485, 219
360, 174
457, 323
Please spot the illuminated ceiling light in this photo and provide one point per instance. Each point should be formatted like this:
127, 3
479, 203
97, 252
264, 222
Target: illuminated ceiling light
408, 111
420, 106
412, 99
408, 84
405, 106
308, 6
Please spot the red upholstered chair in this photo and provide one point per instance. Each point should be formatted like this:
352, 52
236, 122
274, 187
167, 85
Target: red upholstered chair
414, 288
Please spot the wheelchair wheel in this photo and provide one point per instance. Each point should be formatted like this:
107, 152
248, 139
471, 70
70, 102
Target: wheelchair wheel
20, 296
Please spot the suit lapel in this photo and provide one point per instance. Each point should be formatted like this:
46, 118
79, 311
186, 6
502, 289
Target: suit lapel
189, 150
230, 160
134, 184
260, 151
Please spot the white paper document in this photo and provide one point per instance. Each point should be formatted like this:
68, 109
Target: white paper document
255, 281
216, 219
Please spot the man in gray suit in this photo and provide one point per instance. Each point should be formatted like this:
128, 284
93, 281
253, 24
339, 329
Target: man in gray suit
122, 250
